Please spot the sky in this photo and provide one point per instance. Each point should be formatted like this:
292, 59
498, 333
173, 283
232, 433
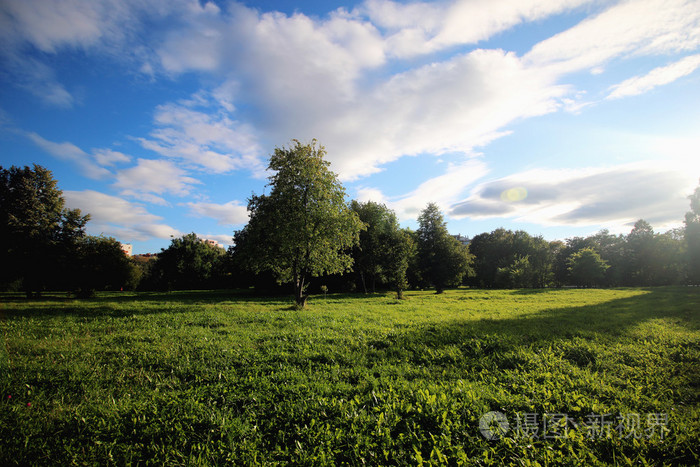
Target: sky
558, 117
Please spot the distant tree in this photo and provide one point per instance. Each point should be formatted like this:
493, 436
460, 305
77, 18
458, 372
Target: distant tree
304, 227
562, 273
692, 237
612, 249
381, 245
442, 259
38, 234
103, 265
587, 268
188, 263
401, 248
518, 274
641, 254
505, 258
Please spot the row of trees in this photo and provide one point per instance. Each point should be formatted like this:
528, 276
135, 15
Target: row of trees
45, 245
642, 258
303, 231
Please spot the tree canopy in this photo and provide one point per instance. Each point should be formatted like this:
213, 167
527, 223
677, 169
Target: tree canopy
39, 235
442, 260
188, 263
304, 227
692, 237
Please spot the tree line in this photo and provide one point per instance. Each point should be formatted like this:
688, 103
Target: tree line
304, 234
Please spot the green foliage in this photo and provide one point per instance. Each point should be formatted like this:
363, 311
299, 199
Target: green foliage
384, 250
303, 228
188, 263
38, 234
587, 268
443, 261
102, 265
191, 378
692, 237
504, 258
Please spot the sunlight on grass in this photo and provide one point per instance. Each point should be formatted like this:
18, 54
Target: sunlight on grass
210, 378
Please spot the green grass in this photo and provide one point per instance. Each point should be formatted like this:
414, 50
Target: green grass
215, 378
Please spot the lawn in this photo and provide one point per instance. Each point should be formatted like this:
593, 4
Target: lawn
581, 376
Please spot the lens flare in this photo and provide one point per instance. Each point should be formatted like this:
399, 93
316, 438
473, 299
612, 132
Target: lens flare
514, 194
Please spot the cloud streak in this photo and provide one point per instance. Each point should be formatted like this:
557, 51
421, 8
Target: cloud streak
656, 77
608, 196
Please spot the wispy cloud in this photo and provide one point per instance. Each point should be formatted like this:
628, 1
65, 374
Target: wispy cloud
639, 27
202, 133
117, 217
71, 153
656, 77
614, 196
425, 27
150, 178
231, 213
444, 190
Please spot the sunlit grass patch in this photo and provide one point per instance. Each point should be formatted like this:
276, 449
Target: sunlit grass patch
216, 377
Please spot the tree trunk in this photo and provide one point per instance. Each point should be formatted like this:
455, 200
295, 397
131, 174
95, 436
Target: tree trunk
299, 297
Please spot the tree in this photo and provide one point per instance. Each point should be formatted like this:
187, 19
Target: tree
39, 235
692, 237
641, 253
504, 258
103, 266
586, 267
188, 263
442, 259
380, 247
400, 249
303, 228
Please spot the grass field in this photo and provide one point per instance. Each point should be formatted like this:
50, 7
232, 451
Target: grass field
582, 377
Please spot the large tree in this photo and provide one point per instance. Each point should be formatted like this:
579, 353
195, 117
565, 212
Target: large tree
692, 237
304, 227
443, 261
38, 234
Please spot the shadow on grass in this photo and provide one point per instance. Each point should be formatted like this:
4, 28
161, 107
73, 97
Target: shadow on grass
123, 304
609, 318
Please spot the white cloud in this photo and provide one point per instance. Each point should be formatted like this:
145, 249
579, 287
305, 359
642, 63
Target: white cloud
610, 196
109, 157
204, 137
117, 217
426, 27
154, 177
443, 190
454, 106
231, 213
71, 153
640, 27
306, 80
656, 77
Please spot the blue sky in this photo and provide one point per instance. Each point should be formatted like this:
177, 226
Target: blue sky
558, 117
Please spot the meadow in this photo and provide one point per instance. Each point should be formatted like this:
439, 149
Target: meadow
583, 377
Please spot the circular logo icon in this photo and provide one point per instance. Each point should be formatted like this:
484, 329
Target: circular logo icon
493, 425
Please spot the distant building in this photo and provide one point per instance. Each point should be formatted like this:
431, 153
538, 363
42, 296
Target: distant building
462, 239
127, 248
211, 242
